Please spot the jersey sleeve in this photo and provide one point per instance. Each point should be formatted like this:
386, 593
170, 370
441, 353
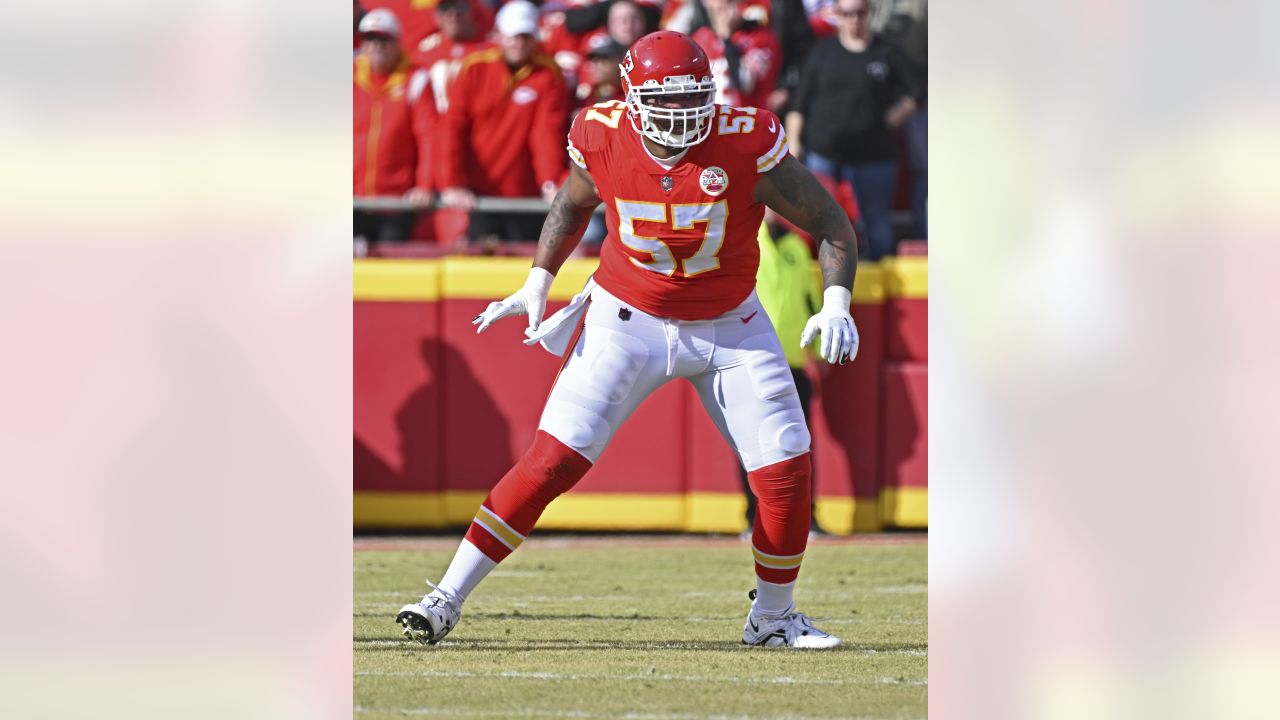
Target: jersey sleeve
577, 140
586, 135
768, 141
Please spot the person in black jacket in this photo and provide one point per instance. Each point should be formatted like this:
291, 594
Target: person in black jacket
855, 92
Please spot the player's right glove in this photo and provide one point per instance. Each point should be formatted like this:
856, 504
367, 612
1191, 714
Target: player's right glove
839, 334
529, 300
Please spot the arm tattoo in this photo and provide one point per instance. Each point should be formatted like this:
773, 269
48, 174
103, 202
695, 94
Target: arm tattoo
837, 269
793, 191
561, 232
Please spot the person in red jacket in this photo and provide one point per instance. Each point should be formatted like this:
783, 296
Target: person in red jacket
393, 109
440, 55
503, 134
745, 56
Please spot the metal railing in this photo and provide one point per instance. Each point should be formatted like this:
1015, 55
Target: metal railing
392, 203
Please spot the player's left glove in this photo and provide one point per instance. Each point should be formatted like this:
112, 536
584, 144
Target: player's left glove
529, 300
839, 334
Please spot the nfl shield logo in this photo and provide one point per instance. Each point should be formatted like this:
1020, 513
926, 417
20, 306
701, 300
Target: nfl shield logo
666, 184
713, 180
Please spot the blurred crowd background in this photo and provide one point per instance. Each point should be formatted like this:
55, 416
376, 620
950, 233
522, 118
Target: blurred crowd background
461, 107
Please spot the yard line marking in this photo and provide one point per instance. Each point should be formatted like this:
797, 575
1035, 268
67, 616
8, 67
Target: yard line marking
462, 712
516, 674
903, 589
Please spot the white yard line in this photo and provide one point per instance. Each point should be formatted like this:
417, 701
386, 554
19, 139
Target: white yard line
596, 644
903, 589
462, 712
638, 676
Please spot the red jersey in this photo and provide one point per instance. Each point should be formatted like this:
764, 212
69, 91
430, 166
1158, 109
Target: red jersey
682, 241
761, 58
441, 56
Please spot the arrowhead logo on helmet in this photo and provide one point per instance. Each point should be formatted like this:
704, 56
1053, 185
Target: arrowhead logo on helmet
670, 93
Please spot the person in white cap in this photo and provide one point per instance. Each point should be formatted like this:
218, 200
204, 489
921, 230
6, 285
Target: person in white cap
393, 110
503, 134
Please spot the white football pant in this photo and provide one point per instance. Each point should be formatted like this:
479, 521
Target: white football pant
734, 361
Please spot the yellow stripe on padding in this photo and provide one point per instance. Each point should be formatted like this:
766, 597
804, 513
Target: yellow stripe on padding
905, 507
496, 525
777, 562
868, 284
906, 276
675, 512
396, 280
472, 278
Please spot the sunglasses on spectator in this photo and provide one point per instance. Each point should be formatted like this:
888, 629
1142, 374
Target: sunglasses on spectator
853, 13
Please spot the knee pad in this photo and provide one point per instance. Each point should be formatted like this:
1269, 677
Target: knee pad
783, 434
580, 428
793, 438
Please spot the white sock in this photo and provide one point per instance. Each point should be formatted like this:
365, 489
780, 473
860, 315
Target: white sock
773, 599
468, 568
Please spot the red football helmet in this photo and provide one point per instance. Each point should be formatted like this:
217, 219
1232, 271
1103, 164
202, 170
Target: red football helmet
670, 93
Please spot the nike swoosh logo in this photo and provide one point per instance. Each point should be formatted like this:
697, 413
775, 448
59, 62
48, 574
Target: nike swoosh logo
747, 319
772, 125
754, 626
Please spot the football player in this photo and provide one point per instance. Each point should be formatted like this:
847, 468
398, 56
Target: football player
685, 183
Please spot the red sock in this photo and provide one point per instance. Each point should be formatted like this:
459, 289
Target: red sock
783, 512
547, 469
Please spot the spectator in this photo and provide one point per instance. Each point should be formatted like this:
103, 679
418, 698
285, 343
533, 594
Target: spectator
744, 55
600, 79
504, 131
440, 54
790, 293
393, 109
583, 19
419, 19
625, 24
855, 92
581, 30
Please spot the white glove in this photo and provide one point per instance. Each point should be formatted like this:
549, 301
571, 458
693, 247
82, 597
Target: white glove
529, 300
839, 334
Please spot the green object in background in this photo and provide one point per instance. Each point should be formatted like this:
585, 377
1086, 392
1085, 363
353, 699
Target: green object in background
787, 289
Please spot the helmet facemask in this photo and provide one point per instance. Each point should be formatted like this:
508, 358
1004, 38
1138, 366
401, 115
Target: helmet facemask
673, 127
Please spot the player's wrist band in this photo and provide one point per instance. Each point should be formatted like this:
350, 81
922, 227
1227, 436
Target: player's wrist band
539, 280
837, 298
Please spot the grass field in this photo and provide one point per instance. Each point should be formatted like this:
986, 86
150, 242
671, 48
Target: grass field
644, 628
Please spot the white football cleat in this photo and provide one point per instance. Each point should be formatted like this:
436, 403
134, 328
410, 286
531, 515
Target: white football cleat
431, 619
791, 629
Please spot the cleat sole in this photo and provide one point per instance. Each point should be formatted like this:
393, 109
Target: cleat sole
416, 628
